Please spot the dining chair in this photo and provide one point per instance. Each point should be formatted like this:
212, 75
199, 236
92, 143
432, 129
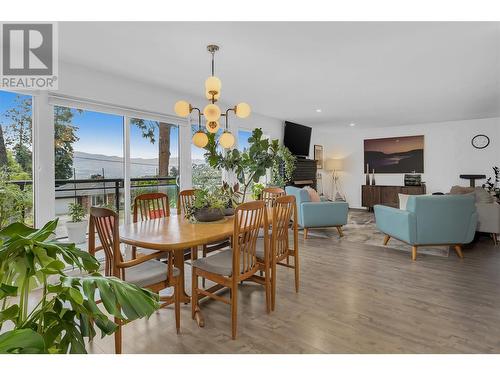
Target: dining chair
284, 208
186, 199
229, 267
145, 271
149, 206
270, 194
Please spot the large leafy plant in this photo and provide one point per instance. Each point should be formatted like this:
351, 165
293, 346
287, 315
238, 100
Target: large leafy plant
248, 165
66, 310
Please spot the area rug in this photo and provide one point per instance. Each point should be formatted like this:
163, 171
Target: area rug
361, 228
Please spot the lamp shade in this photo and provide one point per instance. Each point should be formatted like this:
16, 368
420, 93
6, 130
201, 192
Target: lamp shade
226, 140
212, 126
200, 139
242, 110
211, 112
213, 84
333, 165
182, 108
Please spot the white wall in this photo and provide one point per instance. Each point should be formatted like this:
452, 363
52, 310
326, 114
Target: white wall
447, 153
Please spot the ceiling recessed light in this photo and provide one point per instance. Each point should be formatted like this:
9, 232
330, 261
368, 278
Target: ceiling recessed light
352, 124
318, 110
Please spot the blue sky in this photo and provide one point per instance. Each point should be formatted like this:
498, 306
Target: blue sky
102, 133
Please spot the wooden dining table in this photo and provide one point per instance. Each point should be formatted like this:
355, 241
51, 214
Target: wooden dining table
177, 234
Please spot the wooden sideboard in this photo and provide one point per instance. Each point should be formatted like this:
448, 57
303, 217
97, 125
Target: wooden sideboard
386, 195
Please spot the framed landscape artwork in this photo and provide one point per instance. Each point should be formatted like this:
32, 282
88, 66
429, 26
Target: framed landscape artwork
318, 156
395, 155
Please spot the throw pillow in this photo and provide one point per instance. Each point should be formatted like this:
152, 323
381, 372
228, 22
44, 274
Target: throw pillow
403, 200
482, 196
313, 194
455, 190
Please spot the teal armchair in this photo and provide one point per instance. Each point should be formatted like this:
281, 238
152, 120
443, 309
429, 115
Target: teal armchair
449, 220
318, 214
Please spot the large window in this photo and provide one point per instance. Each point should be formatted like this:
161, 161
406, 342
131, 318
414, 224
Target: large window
88, 161
243, 136
154, 158
204, 176
16, 193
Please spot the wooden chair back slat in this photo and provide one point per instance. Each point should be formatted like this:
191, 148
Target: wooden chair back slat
282, 214
270, 194
186, 200
106, 222
151, 206
248, 219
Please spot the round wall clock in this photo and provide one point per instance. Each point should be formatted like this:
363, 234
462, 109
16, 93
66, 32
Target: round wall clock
480, 141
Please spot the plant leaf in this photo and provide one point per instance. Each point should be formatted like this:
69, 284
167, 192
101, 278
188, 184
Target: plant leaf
9, 313
21, 341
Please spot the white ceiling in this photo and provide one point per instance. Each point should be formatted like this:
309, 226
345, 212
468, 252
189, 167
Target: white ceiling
372, 74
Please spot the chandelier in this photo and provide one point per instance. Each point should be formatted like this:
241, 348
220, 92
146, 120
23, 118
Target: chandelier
212, 112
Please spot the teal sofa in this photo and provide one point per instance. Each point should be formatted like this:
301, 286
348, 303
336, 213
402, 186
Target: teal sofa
449, 220
318, 214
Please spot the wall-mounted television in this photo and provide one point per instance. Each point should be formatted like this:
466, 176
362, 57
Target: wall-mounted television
297, 138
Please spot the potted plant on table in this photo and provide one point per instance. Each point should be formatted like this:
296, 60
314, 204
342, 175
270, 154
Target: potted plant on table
208, 205
77, 226
65, 308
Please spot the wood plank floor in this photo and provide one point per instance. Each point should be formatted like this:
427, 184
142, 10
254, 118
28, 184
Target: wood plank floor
354, 298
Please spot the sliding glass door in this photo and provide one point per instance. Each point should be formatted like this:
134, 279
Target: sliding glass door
154, 158
89, 164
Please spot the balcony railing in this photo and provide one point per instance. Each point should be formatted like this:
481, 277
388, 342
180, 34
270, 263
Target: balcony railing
79, 189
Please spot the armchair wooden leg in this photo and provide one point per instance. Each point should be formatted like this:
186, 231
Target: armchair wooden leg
458, 250
305, 233
413, 253
339, 229
386, 239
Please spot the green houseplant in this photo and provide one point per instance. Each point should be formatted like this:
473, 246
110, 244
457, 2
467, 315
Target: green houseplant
77, 226
248, 165
208, 205
66, 308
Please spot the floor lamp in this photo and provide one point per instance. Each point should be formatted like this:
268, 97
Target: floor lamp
335, 166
